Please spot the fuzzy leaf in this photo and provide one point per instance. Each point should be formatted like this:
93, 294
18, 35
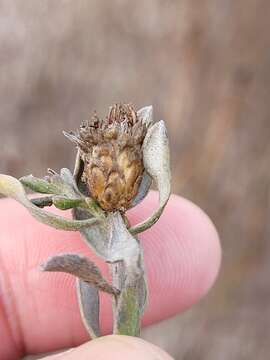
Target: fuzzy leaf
128, 309
129, 306
11, 187
39, 185
54, 183
145, 114
111, 240
88, 298
67, 177
157, 164
121, 246
81, 267
95, 236
65, 203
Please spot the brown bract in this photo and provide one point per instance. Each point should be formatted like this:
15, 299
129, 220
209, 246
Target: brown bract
111, 150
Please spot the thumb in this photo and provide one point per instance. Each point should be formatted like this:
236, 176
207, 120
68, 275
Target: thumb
114, 347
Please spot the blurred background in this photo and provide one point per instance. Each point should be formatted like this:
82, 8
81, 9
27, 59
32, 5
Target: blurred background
205, 66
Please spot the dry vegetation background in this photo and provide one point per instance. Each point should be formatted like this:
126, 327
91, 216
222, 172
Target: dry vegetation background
205, 66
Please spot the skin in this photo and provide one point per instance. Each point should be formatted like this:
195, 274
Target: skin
39, 311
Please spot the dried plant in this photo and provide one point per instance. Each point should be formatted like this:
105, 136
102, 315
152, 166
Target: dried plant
117, 160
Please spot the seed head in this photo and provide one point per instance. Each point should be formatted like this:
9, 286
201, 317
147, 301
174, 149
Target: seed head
111, 150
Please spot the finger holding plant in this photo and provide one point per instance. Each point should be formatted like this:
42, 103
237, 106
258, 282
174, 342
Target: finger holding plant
117, 160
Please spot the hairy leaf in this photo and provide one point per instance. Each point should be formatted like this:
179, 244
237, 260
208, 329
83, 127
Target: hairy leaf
39, 185
157, 164
11, 187
81, 267
88, 298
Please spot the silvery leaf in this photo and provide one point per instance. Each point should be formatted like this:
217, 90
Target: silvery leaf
68, 178
121, 245
11, 187
88, 298
145, 114
52, 184
65, 184
142, 294
95, 236
111, 240
142, 285
129, 305
157, 163
81, 267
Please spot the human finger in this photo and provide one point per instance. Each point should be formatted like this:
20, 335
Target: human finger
39, 311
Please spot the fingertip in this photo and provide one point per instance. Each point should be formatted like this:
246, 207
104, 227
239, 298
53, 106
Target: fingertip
203, 250
182, 255
115, 347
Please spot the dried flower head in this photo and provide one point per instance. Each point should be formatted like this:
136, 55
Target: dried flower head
111, 150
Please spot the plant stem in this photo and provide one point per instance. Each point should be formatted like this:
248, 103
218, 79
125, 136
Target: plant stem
126, 306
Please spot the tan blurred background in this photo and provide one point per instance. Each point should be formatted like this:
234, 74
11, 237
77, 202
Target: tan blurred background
205, 66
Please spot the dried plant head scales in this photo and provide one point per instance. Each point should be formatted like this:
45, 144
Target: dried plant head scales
111, 150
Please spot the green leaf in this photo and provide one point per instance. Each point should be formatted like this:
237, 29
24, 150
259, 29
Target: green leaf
129, 306
39, 185
128, 321
65, 203
11, 187
63, 184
